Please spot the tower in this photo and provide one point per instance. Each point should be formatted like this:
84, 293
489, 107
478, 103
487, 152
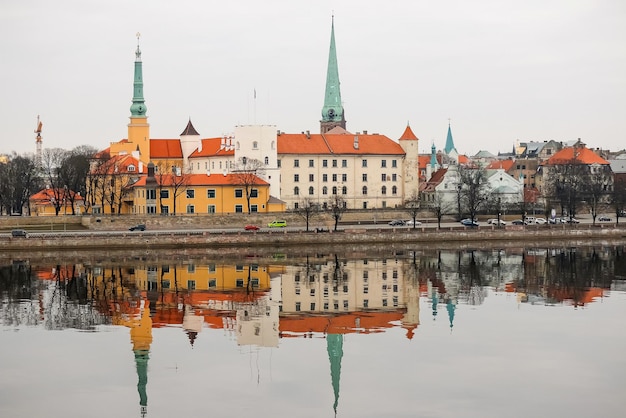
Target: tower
332, 112
138, 128
38, 143
409, 143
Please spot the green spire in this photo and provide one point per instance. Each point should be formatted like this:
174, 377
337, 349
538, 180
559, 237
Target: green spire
334, 346
433, 156
138, 108
449, 142
332, 112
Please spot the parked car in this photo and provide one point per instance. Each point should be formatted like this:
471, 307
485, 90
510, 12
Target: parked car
410, 223
495, 221
138, 227
277, 224
251, 228
540, 221
19, 233
469, 222
572, 221
397, 222
604, 219
518, 222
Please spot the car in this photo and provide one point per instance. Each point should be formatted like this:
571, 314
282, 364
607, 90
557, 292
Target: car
469, 222
277, 224
540, 221
411, 223
604, 219
397, 222
138, 227
495, 221
251, 228
518, 222
572, 221
19, 233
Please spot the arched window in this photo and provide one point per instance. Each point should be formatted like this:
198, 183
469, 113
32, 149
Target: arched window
296, 190
384, 190
344, 190
324, 190
311, 190
273, 144
364, 190
334, 190
394, 190
267, 160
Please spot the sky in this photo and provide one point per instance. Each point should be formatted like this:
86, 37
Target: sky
498, 71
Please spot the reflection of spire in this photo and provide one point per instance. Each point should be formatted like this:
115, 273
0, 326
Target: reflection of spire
450, 307
192, 324
334, 346
435, 302
141, 337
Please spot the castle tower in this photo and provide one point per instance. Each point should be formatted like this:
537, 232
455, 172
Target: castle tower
189, 142
409, 143
138, 128
332, 112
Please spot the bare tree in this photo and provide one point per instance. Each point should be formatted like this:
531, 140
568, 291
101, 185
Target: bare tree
412, 206
52, 161
565, 183
175, 180
617, 198
474, 189
18, 181
596, 193
307, 209
248, 171
336, 207
440, 207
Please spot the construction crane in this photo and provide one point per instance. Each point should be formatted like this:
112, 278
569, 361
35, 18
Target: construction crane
38, 143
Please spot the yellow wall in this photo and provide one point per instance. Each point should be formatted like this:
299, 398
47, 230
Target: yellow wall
139, 135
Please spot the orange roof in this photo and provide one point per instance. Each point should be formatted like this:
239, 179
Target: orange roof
118, 164
506, 165
368, 322
341, 143
581, 154
165, 148
45, 196
211, 147
200, 180
423, 161
463, 159
408, 134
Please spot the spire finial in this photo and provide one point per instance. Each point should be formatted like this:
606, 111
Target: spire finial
138, 52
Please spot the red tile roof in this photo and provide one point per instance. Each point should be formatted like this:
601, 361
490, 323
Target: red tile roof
503, 164
45, 196
211, 147
165, 148
408, 134
342, 143
581, 154
201, 180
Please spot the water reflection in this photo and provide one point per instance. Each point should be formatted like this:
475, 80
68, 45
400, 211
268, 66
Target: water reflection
261, 300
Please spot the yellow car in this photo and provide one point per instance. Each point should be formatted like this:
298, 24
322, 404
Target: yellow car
277, 224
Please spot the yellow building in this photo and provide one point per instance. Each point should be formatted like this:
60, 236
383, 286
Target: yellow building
201, 193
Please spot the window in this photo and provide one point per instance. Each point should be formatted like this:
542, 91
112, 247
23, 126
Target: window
364, 163
296, 191
254, 282
210, 193
151, 209
254, 193
312, 292
238, 267
297, 306
131, 168
383, 177
364, 190
254, 208
344, 190
311, 177
312, 306
364, 205
334, 163
166, 284
151, 194
394, 190
238, 193
191, 285
324, 163
334, 189
278, 164
255, 145
296, 163
324, 190
238, 208
334, 177
344, 177
165, 209
394, 177
296, 178
366, 289
267, 160
212, 268
383, 163
366, 303
190, 193
191, 268
324, 177
394, 163
239, 282
191, 209
164, 194
344, 163
212, 283
311, 190
210, 209
311, 163
383, 190
364, 176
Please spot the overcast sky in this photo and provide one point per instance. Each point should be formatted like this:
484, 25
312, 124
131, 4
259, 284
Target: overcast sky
500, 70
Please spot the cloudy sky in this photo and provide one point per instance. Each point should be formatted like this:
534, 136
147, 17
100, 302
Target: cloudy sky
499, 70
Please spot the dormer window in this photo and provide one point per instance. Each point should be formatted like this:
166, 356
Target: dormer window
131, 168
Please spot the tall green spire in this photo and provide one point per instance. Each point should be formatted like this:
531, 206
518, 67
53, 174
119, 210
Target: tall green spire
138, 108
332, 112
334, 347
449, 142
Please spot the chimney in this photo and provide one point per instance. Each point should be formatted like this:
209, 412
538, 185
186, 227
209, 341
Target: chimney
308, 135
150, 170
364, 132
356, 142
